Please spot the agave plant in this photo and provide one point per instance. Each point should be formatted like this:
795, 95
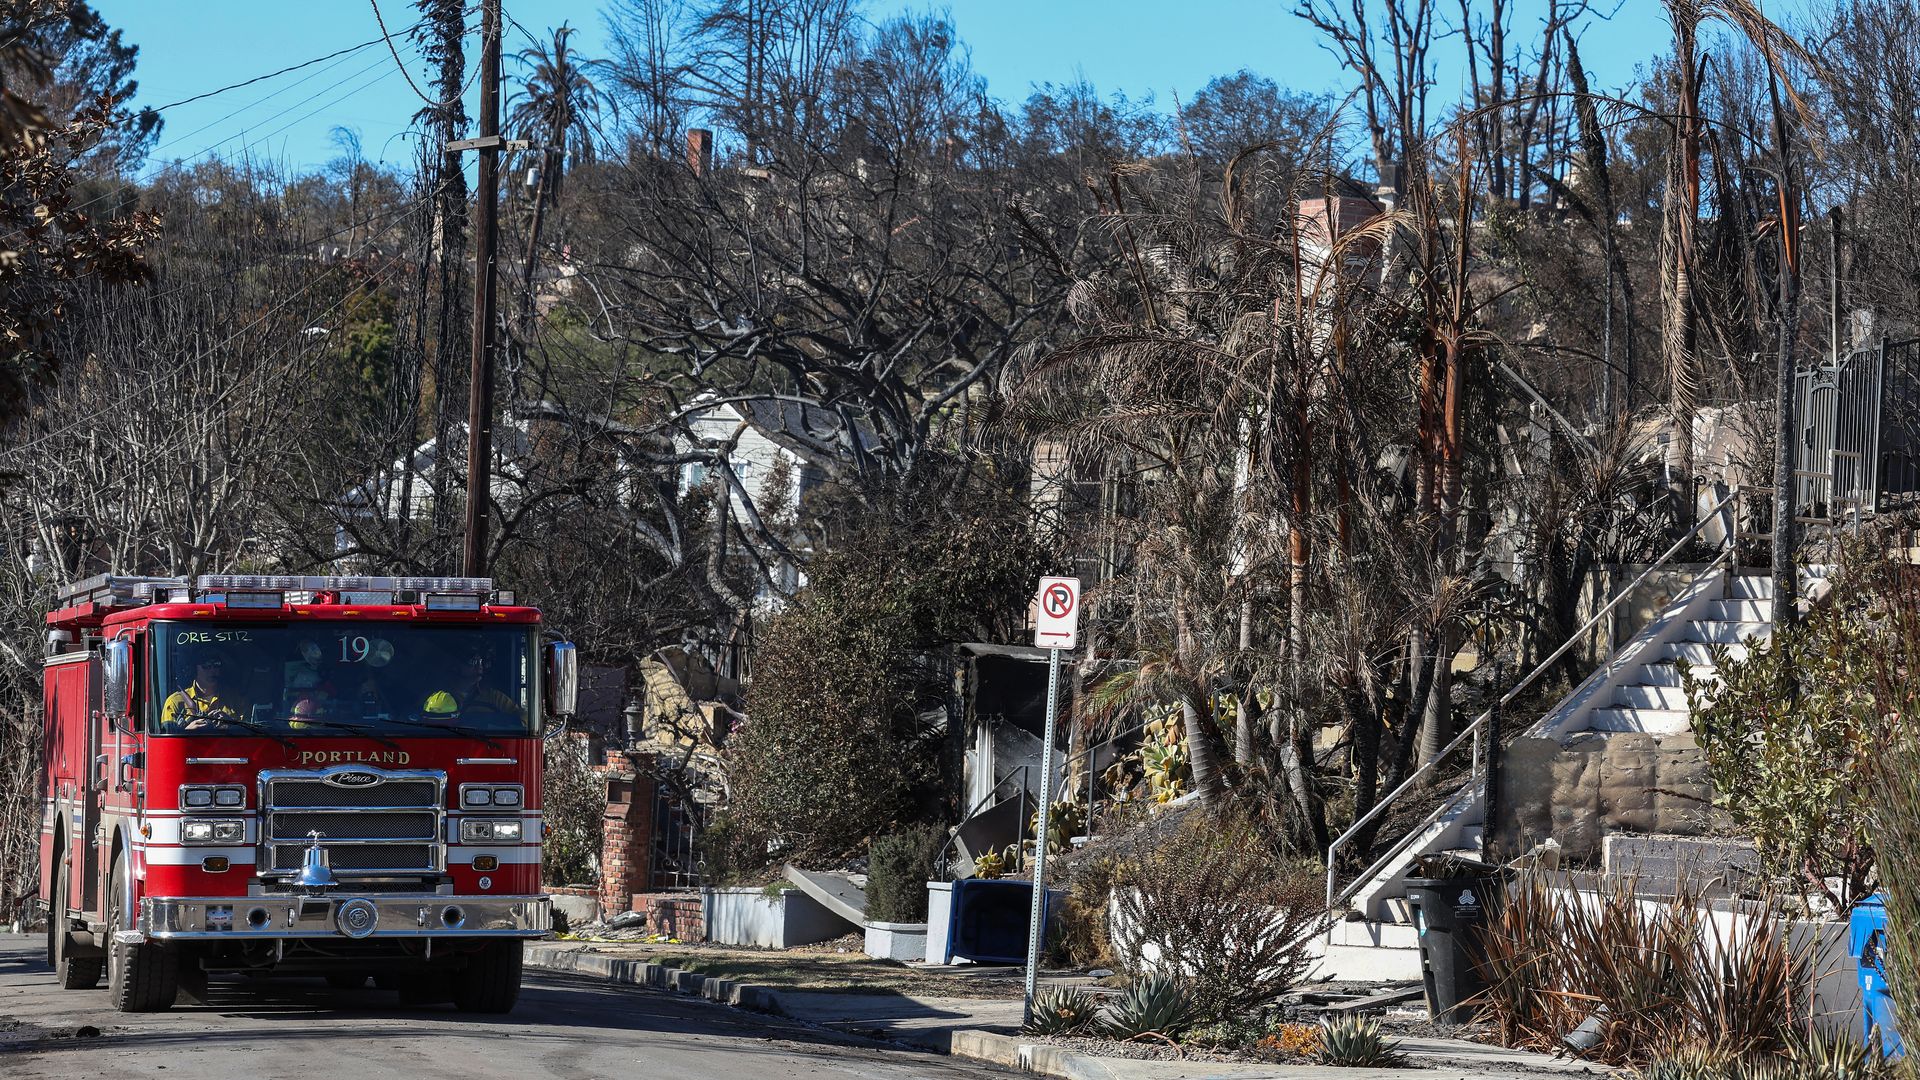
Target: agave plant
1154, 1005
1821, 1057
1065, 821
1354, 1041
1690, 1061
989, 865
1061, 1010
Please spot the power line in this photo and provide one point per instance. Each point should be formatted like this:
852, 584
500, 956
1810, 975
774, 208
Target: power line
421, 94
178, 163
276, 74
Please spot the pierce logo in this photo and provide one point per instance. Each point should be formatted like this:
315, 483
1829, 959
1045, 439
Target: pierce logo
353, 779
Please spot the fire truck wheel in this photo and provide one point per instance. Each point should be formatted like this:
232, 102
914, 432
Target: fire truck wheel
74, 972
491, 983
143, 977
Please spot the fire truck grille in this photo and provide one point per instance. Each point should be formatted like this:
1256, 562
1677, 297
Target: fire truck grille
355, 825
390, 826
282, 793
362, 857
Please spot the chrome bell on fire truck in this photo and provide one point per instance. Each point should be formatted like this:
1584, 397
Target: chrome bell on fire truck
316, 874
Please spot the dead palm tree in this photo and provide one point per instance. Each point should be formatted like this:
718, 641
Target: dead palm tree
1679, 336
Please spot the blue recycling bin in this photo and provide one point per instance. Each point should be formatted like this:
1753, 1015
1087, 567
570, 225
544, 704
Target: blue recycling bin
990, 919
1868, 943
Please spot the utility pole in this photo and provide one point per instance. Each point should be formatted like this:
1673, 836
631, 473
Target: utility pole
486, 233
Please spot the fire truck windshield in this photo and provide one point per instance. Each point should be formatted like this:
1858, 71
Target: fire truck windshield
342, 679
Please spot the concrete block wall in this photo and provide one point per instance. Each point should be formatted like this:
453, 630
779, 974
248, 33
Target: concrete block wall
626, 849
1593, 787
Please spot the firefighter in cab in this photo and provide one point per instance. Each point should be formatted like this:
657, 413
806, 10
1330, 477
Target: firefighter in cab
207, 702
469, 694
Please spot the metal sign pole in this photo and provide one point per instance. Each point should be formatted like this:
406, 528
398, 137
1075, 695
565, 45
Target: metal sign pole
1037, 920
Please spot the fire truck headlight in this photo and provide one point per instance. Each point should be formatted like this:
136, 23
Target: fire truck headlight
477, 796
482, 832
201, 796
506, 796
213, 831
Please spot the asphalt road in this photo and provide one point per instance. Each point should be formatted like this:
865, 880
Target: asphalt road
564, 1027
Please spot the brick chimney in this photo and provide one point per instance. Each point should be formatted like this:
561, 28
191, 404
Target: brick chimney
699, 151
1323, 222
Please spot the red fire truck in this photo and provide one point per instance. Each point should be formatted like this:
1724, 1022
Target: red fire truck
334, 776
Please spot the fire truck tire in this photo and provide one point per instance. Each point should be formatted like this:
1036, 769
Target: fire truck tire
143, 977
491, 983
74, 972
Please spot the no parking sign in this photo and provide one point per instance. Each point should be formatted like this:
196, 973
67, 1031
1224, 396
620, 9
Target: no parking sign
1057, 626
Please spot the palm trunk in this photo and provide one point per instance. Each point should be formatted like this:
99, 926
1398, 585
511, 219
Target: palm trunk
1203, 748
1680, 329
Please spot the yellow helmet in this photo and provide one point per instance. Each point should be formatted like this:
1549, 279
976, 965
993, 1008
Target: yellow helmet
441, 703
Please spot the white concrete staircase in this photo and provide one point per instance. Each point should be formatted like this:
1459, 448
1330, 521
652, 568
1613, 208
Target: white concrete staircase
1637, 690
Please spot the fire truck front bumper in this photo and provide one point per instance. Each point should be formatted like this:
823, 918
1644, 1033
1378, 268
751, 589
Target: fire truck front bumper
343, 915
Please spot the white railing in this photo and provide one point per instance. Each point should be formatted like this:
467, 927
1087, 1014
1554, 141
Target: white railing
1336, 895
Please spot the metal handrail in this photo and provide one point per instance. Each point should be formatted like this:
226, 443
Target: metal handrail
1024, 772
1336, 895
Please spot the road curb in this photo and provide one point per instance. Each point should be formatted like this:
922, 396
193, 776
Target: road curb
574, 961
1010, 1051
972, 1043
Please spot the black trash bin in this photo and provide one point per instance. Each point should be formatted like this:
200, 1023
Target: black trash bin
1450, 914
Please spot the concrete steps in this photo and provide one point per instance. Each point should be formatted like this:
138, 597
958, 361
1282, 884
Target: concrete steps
1639, 692
1698, 652
1653, 721
1650, 696
1728, 633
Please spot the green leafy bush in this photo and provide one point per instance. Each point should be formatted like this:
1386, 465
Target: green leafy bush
1791, 732
897, 869
834, 749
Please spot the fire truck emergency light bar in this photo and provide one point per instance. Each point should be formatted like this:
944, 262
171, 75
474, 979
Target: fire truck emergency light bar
272, 590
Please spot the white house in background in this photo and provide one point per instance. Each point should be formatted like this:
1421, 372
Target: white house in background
763, 435
404, 484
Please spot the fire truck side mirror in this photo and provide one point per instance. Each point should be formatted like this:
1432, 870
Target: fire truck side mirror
564, 674
116, 681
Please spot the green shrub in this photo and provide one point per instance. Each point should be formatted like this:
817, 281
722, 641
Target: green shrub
834, 749
1791, 734
897, 869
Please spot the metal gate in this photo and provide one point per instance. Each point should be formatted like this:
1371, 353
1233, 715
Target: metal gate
1858, 422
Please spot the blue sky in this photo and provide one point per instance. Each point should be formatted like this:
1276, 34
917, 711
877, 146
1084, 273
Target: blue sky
1161, 48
